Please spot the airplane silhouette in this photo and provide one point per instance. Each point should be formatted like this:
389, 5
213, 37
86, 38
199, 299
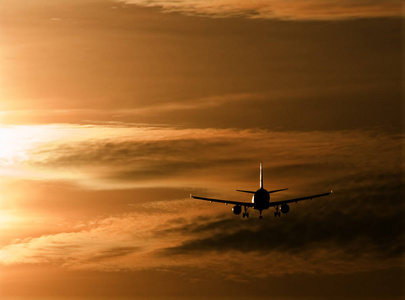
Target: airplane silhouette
261, 200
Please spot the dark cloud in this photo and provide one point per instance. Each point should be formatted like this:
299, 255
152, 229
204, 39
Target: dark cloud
140, 160
153, 154
118, 152
362, 234
363, 219
358, 228
292, 10
112, 253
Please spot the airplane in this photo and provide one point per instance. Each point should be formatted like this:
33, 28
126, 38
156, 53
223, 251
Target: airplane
261, 200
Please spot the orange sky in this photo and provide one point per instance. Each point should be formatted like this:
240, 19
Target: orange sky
113, 112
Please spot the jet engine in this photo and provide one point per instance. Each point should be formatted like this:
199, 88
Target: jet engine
285, 208
237, 209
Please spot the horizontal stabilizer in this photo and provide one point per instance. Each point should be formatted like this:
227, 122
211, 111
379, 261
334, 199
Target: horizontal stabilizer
250, 192
275, 191
244, 204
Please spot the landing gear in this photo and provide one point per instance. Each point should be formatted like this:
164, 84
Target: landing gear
277, 213
245, 214
260, 217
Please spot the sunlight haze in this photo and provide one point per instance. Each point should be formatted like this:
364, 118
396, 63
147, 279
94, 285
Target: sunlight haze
113, 112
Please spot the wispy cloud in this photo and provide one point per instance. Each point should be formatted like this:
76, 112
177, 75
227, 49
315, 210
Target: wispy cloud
276, 9
356, 229
345, 242
114, 156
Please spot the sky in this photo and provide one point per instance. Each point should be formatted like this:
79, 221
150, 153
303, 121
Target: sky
113, 112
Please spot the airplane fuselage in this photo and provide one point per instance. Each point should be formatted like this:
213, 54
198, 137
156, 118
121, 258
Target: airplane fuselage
261, 199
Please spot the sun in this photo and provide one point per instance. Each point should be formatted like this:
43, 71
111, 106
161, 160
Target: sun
17, 142
13, 145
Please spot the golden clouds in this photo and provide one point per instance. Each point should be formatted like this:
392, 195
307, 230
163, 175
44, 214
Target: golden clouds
128, 156
101, 188
174, 232
218, 244
137, 65
276, 9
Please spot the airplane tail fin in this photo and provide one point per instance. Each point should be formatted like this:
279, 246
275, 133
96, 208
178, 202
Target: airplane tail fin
261, 184
261, 175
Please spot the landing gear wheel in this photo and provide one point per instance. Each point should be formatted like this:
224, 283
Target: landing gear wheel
247, 215
275, 214
260, 217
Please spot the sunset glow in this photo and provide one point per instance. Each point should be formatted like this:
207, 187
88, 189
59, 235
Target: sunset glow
113, 112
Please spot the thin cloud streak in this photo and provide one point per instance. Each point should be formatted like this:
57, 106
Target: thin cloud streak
276, 9
356, 229
122, 156
157, 108
138, 241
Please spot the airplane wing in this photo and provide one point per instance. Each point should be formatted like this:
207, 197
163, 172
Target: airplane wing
243, 191
224, 201
298, 199
275, 191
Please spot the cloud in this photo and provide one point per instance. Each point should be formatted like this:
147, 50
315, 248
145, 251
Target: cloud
356, 229
276, 9
359, 228
356, 234
324, 237
122, 156
96, 243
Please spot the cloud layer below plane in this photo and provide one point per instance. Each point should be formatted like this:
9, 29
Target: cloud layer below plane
344, 242
357, 229
276, 9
